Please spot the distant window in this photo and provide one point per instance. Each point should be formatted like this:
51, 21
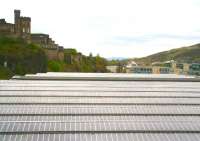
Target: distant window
23, 30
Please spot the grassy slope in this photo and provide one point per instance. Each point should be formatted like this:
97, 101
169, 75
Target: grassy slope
185, 54
21, 57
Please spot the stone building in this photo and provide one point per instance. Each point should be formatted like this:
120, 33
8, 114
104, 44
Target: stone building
71, 58
22, 28
44, 41
60, 53
6, 28
52, 50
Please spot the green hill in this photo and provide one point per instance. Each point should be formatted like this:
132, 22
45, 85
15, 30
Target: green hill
21, 57
77, 62
189, 54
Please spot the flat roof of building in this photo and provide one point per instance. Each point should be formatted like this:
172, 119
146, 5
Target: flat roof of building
108, 77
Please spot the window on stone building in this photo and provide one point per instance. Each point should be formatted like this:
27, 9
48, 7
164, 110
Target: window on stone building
23, 30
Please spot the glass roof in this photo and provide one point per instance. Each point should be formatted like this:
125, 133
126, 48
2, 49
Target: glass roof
44, 110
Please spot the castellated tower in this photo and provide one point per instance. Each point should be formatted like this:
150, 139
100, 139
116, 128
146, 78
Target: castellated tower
22, 26
17, 21
22, 29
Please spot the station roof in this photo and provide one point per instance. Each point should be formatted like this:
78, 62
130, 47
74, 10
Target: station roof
108, 77
85, 110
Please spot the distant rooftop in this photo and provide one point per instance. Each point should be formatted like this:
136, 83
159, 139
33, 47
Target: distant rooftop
108, 76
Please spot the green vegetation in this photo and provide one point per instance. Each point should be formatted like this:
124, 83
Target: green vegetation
20, 57
76, 62
119, 63
5, 73
56, 66
189, 54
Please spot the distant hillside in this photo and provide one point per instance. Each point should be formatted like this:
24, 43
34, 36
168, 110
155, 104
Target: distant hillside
17, 57
189, 54
116, 58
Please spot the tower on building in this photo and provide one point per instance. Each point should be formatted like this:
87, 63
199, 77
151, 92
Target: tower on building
22, 26
17, 21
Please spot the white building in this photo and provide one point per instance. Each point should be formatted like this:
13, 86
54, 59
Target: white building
112, 69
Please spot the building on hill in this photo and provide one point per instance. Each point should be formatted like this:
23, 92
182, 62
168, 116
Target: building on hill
167, 67
22, 29
71, 58
22, 26
44, 41
6, 28
41, 39
52, 50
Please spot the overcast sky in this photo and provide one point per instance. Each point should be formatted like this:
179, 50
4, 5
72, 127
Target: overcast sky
112, 28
